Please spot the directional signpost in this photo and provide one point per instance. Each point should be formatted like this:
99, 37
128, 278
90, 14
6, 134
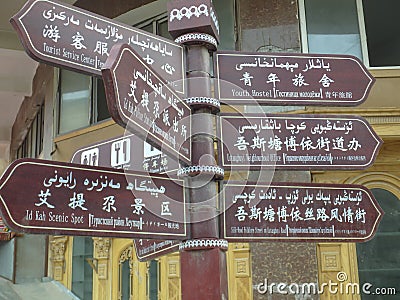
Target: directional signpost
299, 212
69, 37
297, 142
291, 79
140, 101
63, 198
144, 77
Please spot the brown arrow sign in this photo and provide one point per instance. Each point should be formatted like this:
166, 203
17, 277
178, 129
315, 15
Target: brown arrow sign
306, 142
139, 100
127, 152
291, 79
150, 249
47, 197
69, 37
299, 212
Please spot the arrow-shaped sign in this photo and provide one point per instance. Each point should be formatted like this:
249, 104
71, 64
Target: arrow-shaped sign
291, 79
69, 37
306, 142
299, 212
150, 249
47, 197
139, 100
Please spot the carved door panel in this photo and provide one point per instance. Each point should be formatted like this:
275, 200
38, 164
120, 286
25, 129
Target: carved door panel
239, 272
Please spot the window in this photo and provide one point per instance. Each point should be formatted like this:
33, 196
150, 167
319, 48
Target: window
126, 272
74, 101
152, 279
363, 28
32, 145
332, 27
379, 259
157, 25
268, 26
383, 32
100, 105
82, 101
82, 273
125, 279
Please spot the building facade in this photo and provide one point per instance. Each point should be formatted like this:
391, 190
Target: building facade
67, 111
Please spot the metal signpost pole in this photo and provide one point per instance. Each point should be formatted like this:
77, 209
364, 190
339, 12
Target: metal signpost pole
203, 271
203, 260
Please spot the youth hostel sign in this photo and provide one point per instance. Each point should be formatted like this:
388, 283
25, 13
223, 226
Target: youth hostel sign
291, 79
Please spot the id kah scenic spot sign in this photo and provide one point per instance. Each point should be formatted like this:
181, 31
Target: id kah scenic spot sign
139, 100
69, 37
297, 142
299, 212
291, 79
63, 198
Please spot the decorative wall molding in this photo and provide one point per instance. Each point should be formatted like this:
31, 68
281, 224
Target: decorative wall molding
58, 246
102, 247
126, 254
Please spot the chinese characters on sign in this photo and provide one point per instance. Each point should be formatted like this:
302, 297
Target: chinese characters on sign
70, 37
297, 141
127, 152
65, 198
290, 79
140, 101
298, 212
